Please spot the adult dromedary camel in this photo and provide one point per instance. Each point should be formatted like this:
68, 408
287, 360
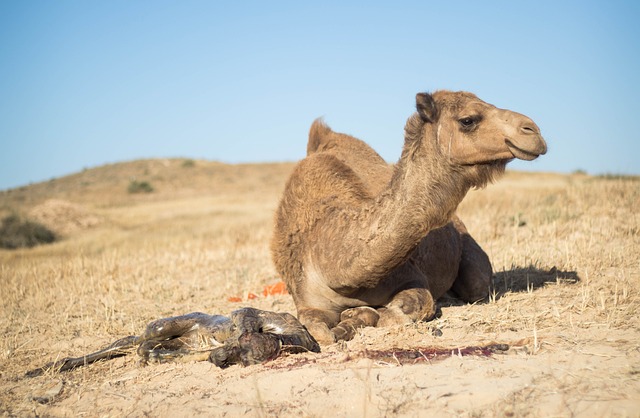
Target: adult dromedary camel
362, 243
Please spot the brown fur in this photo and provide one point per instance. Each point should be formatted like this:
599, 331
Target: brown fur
352, 231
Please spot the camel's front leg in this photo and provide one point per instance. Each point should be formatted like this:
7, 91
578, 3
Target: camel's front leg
407, 306
183, 338
118, 348
185, 348
410, 301
325, 328
176, 326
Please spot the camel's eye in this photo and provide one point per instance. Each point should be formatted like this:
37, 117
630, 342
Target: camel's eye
469, 123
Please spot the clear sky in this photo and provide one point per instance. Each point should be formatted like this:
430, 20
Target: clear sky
84, 83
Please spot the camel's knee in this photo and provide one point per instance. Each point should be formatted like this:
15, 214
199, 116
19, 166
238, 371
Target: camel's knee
353, 319
408, 306
474, 276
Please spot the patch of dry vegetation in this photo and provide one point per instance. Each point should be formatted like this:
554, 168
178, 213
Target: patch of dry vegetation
19, 232
565, 250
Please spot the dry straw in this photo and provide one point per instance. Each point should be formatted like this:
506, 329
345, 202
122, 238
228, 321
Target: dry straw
565, 251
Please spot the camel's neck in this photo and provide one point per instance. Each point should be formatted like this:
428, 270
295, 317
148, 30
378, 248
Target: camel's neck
423, 194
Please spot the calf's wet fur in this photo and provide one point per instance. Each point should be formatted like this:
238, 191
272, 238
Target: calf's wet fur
248, 336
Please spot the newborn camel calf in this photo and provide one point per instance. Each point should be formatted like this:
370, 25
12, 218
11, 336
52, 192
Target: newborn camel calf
249, 336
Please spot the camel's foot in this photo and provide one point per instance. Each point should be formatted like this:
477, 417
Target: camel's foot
321, 332
408, 306
318, 323
352, 319
393, 315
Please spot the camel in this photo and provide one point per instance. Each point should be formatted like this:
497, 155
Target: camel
360, 242
249, 336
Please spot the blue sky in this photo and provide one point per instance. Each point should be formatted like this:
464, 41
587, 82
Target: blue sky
84, 83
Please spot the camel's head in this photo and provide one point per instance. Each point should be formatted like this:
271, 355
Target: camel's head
473, 132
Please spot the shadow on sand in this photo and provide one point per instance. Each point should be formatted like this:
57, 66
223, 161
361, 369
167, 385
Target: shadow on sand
518, 279
528, 279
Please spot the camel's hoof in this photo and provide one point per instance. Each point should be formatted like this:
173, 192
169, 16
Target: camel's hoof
343, 333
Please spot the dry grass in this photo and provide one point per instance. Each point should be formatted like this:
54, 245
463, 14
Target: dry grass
565, 249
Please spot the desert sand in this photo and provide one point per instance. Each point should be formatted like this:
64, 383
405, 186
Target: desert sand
565, 250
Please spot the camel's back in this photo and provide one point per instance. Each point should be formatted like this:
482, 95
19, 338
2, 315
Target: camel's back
372, 170
339, 172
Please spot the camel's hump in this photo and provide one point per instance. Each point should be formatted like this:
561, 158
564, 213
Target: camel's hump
318, 133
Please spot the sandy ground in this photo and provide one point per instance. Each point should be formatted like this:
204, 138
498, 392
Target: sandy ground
584, 374
565, 250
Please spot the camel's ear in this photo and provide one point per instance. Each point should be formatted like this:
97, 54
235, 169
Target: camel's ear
426, 107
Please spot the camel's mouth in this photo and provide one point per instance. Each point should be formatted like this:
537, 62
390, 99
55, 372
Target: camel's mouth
523, 154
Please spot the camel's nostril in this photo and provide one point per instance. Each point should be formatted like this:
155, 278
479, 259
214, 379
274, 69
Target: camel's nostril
528, 130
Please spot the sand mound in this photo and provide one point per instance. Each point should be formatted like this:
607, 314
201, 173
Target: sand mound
63, 217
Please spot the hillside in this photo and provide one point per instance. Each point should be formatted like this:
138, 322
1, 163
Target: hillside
565, 251
107, 185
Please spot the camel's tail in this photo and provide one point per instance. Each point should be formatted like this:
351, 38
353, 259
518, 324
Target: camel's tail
118, 348
318, 134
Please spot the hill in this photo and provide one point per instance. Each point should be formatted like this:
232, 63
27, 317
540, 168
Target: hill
171, 179
565, 251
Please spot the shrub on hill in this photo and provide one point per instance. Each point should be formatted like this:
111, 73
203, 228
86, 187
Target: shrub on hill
16, 232
139, 187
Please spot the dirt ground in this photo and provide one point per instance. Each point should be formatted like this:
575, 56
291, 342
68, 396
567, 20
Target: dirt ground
565, 251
